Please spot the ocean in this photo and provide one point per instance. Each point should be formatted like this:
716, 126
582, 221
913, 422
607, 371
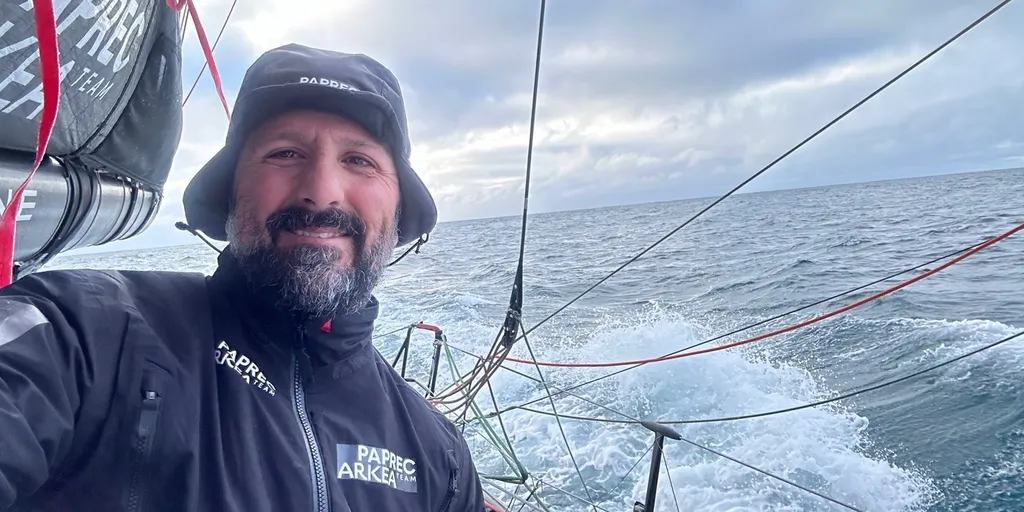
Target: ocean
949, 440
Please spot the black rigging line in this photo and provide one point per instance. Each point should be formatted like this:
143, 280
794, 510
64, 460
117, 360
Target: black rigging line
799, 407
185, 227
746, 327
770, 165
414, 247
512, 323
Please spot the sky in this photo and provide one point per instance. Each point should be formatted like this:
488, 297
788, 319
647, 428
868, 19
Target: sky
643, 101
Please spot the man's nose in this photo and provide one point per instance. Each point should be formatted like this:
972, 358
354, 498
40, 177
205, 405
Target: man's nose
323, 183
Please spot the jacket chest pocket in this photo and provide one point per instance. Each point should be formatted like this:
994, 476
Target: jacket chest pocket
144, 426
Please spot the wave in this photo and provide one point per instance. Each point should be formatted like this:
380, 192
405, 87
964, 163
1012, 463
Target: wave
821, 448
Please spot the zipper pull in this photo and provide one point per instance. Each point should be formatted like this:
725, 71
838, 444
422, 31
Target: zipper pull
302, 356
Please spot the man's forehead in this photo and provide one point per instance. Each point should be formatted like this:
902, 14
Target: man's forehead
307, 127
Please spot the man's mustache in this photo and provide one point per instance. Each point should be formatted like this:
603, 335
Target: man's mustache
297, 217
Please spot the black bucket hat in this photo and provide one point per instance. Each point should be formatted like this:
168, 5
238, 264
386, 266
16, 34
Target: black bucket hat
293, 77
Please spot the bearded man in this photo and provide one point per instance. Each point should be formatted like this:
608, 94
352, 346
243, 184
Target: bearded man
256, 388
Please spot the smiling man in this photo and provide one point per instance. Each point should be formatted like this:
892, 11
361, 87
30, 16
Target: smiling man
314, 214
256, 388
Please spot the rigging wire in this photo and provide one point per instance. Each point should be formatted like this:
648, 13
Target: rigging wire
668, 473
764, 169
204, 42
510, 327
561, 491
184, 24
632, 420
635, 464
528, 497
759, 470
497, 413
558, 420
792, 327
513, 497
396, 331
212, 49
843, 396
529, 154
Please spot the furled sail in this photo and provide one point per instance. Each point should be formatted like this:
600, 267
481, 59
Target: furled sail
117, 127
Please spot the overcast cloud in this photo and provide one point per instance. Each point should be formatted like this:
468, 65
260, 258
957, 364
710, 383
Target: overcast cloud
646, 101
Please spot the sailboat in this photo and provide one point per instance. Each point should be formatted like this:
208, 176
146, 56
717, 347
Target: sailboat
90, 118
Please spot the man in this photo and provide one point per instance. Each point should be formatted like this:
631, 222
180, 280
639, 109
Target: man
258, 388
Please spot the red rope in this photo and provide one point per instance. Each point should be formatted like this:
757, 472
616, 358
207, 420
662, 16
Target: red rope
212, 49
49, 65
793, 327
207, 51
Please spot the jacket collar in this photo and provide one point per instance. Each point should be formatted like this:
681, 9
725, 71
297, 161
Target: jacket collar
325, 340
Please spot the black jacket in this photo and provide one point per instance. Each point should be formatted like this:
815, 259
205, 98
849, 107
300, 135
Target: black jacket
159, 391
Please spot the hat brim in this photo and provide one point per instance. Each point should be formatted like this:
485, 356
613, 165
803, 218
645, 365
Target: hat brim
207, 196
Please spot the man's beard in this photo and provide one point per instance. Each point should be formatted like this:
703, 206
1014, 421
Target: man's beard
306, 278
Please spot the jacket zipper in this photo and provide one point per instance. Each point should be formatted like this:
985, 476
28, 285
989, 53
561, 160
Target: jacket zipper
453, 482
144, 442
317, 474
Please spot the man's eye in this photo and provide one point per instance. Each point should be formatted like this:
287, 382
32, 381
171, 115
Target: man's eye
284, 153
358, 160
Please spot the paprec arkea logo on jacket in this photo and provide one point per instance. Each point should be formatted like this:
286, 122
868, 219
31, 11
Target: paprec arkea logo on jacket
379, 465
245, 367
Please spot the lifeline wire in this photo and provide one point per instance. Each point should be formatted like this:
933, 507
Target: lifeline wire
772, 164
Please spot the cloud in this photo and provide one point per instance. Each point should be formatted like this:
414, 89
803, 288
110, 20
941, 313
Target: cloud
652, 101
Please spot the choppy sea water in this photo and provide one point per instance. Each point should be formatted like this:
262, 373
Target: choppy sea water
948, 441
